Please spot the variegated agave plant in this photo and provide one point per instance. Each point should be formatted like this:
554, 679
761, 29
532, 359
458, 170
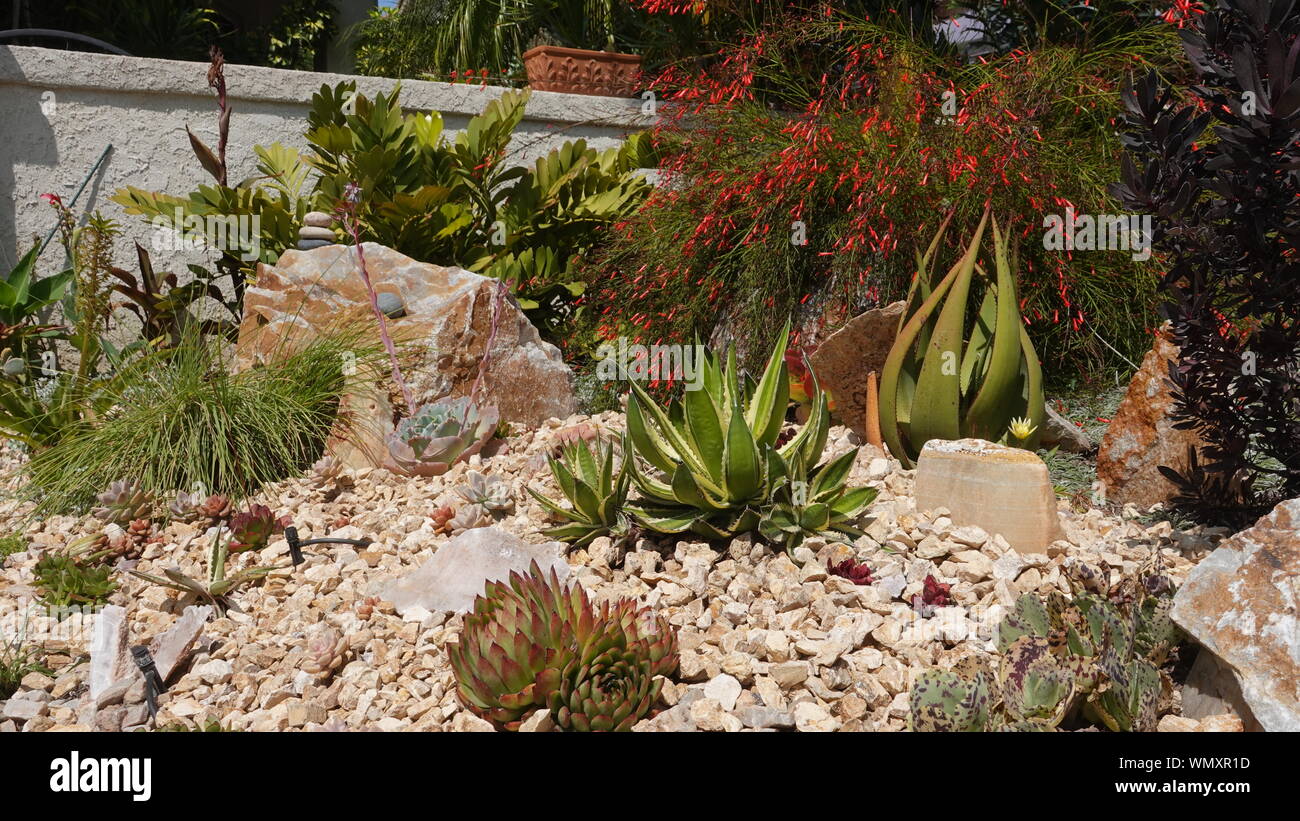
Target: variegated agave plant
937, 383
595, 490
717, 454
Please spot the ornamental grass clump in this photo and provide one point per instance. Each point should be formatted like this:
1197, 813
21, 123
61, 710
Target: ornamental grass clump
536, 643
185, 418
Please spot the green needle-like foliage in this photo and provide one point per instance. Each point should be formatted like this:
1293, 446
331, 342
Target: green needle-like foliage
184, 417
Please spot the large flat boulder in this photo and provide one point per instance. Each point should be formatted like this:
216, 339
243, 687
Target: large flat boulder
843, 360
998, 488
1141, 437
461, 568
1242, 603
454, 324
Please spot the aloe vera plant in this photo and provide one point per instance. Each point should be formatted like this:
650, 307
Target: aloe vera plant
216, 589
941, 382
716, 448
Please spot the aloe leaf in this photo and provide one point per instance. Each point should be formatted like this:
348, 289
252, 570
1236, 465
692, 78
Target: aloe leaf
650, 445
852, 502
831, 476
742, 458
689, 492
996, 402
706, 431
899, 356
975, 362
552, 506
936, 408
586, 501
564, 478
1036, 402
665, 520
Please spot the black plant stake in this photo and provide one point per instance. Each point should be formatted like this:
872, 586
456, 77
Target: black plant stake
153, 683
296, 544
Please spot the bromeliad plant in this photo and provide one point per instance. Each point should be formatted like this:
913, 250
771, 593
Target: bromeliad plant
535, 643
941, 381
596, 493
722, 471
441, 433
1091, 659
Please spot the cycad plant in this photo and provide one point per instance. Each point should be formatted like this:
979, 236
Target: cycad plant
944, 379
716, 450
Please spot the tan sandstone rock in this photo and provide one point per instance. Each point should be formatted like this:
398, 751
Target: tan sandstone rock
994, 487
444, 321
844, 359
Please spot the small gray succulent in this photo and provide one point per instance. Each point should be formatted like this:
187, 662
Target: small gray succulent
185, 507
123, 502
468, 518
491, 492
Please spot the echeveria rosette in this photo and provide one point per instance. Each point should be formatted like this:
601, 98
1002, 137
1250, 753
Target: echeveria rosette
616, 681
123, 502
252, 529
516, 642
440, 433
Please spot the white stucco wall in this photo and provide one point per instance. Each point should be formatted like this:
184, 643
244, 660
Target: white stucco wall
59, 109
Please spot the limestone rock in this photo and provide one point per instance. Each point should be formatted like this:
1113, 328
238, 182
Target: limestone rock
996, 488
1211, 689
459, 570
844, 359
110, 656
1141, 436
1241, 603
172, 647
448, 319
723, 689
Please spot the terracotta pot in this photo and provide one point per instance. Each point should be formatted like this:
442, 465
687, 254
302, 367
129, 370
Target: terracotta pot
578, 71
